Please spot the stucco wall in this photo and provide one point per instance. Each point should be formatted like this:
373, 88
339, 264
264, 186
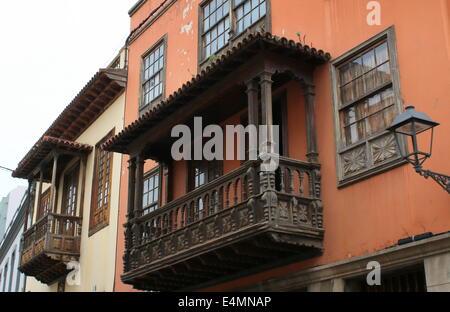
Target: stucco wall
381, 209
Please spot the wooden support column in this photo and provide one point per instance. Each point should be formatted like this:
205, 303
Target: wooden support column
252, 98
131, 187
83, 162
167, 171
28, 209
139, 189
39, 195
53, 188
311, 134
267, 175
253, 118
266, 105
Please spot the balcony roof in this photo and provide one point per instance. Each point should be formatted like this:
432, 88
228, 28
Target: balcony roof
42, 149
238, 53
95, 97
89, 103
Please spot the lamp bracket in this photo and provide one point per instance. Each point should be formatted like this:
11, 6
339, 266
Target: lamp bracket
442, 179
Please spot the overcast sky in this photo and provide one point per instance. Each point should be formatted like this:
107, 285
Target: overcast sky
49, 50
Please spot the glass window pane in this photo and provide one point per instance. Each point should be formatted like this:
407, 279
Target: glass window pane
239, 13
226, 8
145, 200
375, 123
389, 115
382, 54
387, 97
221, 41
247, 7
374, 104
262, 9
369, 60
146, 186
255, 15
247, 21
383, 73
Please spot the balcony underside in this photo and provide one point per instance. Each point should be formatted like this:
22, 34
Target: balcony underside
253, 249
47, 267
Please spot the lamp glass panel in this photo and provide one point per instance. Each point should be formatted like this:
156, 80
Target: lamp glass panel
409, 127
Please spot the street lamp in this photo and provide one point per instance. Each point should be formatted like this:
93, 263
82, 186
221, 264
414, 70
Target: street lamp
410, 124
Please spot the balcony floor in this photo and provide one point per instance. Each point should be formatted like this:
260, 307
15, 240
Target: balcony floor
46, 268
251, 250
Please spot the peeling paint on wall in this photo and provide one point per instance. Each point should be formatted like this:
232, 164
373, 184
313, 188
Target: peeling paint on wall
187, 9
187, 28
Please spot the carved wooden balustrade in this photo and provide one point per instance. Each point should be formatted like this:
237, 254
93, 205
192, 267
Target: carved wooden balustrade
244, 219
49, 245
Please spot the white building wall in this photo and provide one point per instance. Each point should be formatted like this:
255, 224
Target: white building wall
15, 198
18, 279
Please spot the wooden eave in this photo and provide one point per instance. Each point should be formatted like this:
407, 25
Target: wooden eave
43, 149
237, 56
96, 96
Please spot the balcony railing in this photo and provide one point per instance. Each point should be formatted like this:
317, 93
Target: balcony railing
238, 210
49, 244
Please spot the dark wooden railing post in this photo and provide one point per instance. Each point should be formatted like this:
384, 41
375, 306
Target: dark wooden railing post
311, 132
139, 185
131, 187
54, 189
39, 196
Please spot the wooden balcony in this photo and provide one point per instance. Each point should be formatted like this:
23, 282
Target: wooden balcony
241, 223
49, 245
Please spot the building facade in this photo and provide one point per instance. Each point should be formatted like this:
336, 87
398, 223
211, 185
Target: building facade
70, 237
11, 279
332, 75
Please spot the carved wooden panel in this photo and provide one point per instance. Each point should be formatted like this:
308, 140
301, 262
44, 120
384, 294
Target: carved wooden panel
383, 148
354, 160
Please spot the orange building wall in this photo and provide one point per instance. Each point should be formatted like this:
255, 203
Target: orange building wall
369, 215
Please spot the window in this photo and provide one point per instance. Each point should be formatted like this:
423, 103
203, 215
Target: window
150, 201
153, 74
248, 12
409, 279
358, 79
44, 205
101, 187
11, 270
366, 100
203, 172
70, 192
5, 272
217, 24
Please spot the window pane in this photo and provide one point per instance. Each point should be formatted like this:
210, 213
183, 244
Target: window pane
262, 8
374, 104
382, 53
375, 123
369, 60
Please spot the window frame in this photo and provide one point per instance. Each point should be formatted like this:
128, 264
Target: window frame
41, 212
365, 145
155, 171
73, 173
215, 165
266, 20
94, 228
163, 41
